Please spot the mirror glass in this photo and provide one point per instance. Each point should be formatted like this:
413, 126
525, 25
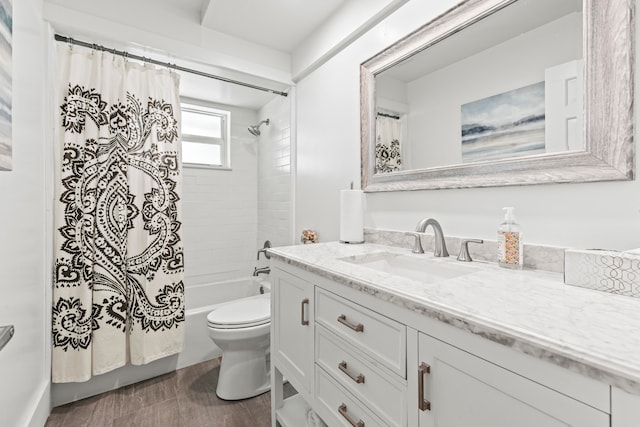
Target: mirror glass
502, 92
508, 86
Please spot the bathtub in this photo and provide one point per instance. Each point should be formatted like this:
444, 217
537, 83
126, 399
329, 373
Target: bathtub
198, 347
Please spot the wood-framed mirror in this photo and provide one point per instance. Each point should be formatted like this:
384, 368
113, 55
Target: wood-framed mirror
503, 92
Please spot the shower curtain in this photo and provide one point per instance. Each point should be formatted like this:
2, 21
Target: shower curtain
388, 157
118, 292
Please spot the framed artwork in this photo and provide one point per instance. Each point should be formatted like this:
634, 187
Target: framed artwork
509, 124
6, 30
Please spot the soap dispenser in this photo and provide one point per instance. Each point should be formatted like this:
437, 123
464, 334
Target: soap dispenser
510, 254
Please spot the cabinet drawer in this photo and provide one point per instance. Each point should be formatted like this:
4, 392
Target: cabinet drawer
338, 407
384, 339
382, 392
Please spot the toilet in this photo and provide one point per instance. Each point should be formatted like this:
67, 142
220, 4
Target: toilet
241, 329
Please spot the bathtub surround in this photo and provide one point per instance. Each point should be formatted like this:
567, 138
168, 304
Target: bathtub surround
274, 174
220, 209
118, 292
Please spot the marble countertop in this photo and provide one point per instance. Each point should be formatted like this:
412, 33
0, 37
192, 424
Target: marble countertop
594, 333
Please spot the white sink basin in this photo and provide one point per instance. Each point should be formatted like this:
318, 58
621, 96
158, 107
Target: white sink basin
426, 270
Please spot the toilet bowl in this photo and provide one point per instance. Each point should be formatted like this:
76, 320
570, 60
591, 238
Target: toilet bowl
241, 329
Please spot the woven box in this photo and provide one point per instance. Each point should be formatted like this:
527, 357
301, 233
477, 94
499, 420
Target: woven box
608, 271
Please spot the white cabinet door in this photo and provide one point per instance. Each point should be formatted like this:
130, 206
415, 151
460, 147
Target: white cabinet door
459, 389
292, 317
625, 409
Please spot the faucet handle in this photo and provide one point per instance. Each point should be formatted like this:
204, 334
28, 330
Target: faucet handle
267, 245
417, 244
464, 249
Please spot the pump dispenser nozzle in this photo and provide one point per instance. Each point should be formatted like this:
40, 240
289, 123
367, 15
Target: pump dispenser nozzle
509, 216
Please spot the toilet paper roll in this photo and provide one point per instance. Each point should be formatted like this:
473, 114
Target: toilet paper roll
351, 216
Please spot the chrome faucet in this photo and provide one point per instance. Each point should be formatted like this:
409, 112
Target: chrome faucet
440, 247
267, 245
261, 270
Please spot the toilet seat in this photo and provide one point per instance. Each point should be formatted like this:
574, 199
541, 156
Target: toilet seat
241, 314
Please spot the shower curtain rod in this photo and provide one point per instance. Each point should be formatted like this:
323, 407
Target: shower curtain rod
94, 46
391, 116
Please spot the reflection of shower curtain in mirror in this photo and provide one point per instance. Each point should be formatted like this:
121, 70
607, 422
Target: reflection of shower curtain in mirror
118, 293
388, 158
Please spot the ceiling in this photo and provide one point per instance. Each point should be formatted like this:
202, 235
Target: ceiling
278, 24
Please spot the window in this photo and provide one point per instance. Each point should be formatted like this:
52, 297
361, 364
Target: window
205, 137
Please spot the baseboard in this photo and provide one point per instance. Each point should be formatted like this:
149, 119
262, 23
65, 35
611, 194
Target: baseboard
42, 407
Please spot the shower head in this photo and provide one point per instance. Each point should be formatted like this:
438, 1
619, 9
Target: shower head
255, 129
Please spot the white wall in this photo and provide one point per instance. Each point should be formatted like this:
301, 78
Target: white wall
274, 174
590, 215
24, 214
220, 220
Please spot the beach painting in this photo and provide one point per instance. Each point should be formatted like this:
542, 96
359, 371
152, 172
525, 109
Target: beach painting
6, 29
506, 125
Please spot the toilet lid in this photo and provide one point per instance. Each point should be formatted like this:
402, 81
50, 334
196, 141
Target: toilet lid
242, 314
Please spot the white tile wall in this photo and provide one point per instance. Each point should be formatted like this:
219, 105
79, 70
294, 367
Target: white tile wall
220, 210
274, 174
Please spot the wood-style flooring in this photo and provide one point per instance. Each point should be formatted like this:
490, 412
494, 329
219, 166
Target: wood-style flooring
184, 398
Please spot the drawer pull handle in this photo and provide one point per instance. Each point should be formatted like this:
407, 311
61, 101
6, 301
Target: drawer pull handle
342, 409
423, 369
343, 367
343, 319
302, 320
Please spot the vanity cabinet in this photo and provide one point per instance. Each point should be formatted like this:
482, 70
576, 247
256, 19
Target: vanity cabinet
456, 388
358, 360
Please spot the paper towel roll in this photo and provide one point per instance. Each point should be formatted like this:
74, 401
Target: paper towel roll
351, 216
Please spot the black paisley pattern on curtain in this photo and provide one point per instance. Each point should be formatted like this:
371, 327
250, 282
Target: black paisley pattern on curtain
388, 151
118, 292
